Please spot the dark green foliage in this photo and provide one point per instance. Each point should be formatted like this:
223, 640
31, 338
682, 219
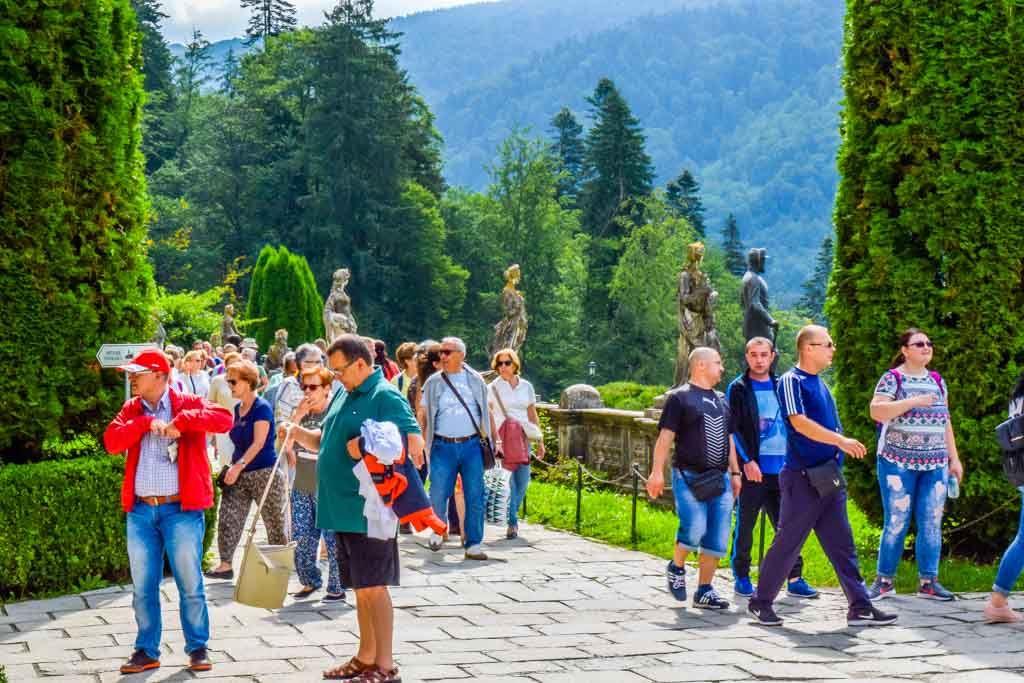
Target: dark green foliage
928, 228
735, 259
285, 296
190, 316
683, 195
191, 74
72, 529
157, 141
812, 303
568, 149
72, 204
269, 18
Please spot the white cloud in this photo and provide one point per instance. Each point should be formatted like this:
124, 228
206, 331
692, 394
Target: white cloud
220, 19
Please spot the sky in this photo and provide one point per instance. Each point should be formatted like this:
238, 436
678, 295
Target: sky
219, 19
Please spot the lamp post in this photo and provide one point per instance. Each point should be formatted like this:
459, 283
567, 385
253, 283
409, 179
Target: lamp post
592, 368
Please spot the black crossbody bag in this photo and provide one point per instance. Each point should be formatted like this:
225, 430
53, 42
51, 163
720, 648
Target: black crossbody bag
486, 450
706, 485
826, 478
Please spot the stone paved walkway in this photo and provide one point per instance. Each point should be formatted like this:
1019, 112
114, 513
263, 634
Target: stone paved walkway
547, 608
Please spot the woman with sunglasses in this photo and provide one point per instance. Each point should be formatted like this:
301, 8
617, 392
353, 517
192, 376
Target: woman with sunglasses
513, 397
310, 413
252, 467
916, 457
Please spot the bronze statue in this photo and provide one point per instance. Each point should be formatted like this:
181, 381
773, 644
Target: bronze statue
227, 324
696, 311
757, 321
510, 332
277, 351
338, 319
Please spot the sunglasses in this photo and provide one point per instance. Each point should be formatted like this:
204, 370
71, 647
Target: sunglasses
827, 345
311, 387
504, 362
447, 352
922, 344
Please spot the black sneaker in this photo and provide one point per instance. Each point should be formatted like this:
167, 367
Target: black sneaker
139, 662
709, 599
869, 616
676, 577
764, 615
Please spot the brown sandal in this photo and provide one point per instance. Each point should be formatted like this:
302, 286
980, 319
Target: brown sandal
350, 669
377, 675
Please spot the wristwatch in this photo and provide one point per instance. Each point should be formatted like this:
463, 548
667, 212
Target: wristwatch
736, 474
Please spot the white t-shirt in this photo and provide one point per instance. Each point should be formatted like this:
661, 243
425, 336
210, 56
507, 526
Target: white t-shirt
516, 400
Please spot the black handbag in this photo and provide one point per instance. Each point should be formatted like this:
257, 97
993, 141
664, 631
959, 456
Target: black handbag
826, 478
706, 485
1010, 435
221, 484
486, 450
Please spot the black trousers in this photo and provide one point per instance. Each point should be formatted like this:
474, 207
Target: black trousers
755, 496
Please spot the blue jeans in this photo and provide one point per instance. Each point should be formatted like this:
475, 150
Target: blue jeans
517, 491
448, 460
307, 548
906, 494
703, 525
152, 531
1012, 563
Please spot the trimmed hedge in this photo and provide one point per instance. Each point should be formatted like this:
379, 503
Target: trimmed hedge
61, 523
629, 395
929, 232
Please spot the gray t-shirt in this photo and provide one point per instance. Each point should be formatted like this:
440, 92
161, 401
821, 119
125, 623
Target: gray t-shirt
452, 419
305, 460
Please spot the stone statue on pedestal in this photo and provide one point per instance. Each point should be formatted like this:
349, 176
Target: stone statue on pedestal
757, 321
227, 324
696, 311
277, 351
510, 332
338, 319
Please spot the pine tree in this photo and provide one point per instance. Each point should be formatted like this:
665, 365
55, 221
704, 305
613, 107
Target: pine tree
812, 302
158, 144
569, 151
73, 267
191, 74
269, 18
683, 196
735, 261
231, 69
928, 220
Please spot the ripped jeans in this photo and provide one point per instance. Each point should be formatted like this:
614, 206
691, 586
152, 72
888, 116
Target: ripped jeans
906, 493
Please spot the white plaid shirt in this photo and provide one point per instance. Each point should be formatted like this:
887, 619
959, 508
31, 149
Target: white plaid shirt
156, 475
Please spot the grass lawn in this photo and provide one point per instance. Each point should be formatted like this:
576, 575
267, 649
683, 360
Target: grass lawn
606, 517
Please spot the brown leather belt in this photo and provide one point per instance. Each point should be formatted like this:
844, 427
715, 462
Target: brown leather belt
158, 500
455, 439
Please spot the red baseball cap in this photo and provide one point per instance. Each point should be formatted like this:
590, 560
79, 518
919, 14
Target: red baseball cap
149, 360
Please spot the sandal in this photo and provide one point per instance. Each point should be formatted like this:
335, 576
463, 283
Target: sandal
304, 593
347, 671
377, 675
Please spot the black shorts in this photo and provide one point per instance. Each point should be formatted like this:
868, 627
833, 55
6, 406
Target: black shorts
367, 562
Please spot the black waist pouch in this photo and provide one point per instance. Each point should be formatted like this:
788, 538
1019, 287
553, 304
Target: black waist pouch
706, 485
826, 478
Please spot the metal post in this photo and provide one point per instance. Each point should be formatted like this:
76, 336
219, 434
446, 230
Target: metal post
524, 505
127, 388
579, 493
636, 492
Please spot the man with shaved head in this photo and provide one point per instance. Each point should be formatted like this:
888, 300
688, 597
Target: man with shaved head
705, 475
813, 488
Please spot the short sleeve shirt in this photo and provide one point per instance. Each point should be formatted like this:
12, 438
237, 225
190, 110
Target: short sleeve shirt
516, 401
339, 505
242, 435
702, 423
801, 393
452, 418
916, 439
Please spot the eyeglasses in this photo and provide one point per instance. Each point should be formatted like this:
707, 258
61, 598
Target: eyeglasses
341, 371
311, 387
232, 382
447, 352
504, 362
922, 344
827, 345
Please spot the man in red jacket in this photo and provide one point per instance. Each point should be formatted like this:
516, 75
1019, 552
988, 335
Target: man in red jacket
167, 485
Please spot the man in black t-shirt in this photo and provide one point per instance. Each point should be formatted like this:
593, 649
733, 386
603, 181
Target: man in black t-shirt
705, 474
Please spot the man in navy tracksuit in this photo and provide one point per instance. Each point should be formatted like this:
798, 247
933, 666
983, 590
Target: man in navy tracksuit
760, 436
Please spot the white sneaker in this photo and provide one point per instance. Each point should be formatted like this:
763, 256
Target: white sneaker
435, 542
475, 552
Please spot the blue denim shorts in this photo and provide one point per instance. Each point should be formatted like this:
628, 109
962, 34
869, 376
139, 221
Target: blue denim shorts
703, 525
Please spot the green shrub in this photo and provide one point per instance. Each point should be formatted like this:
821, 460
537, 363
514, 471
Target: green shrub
629, 395
190, 316
73, 267
71, 447
61, 525
928, 224
283, 294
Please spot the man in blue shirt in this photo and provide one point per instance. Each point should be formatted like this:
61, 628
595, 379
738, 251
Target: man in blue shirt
760, 436
815, 441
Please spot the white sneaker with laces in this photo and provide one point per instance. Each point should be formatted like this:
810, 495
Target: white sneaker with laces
435, 542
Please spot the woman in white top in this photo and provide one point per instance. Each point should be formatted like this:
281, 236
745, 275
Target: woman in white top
220, 393
194, 379
519, 402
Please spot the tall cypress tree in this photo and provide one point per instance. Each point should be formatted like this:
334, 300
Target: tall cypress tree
268, 18
73, 267
928, 223
683, 196
284, 292
812, 301
568, 149
735, 261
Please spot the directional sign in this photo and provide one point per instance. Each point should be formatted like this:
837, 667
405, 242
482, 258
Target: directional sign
116, 355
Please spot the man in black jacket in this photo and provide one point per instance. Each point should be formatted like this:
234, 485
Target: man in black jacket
760, 435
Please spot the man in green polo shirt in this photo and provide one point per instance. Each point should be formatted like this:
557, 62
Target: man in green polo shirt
368, 565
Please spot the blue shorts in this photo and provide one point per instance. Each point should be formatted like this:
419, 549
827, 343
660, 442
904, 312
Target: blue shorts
703, 525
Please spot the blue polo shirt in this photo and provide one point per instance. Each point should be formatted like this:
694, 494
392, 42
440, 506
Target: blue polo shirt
801, 393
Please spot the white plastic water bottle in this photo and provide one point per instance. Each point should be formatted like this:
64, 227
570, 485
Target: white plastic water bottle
953, 487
